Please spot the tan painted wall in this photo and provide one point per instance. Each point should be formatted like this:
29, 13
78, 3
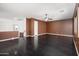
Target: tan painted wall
8, 34
60, 27
41, 27
57, 27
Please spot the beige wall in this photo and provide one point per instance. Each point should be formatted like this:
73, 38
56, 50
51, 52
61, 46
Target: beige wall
27, 26
57, 27
41, 27
8, 34
30, 26
78, 20
60, 27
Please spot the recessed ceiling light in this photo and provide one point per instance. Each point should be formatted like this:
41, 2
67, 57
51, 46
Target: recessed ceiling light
61, 11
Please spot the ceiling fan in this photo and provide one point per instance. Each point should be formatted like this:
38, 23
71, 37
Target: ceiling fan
46, 18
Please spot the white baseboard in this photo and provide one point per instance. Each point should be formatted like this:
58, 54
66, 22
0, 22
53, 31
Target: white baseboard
76, 47
9, 39
50, 34
36, 35
60, 34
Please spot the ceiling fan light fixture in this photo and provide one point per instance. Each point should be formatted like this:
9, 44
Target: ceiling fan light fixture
46, 17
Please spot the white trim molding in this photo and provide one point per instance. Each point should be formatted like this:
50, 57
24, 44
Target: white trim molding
36, 35
50, 34
60, 34
9, 39
76, 47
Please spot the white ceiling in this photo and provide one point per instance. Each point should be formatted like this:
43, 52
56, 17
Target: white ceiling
56, 11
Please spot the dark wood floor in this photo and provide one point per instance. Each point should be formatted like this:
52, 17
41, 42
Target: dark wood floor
48, 45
